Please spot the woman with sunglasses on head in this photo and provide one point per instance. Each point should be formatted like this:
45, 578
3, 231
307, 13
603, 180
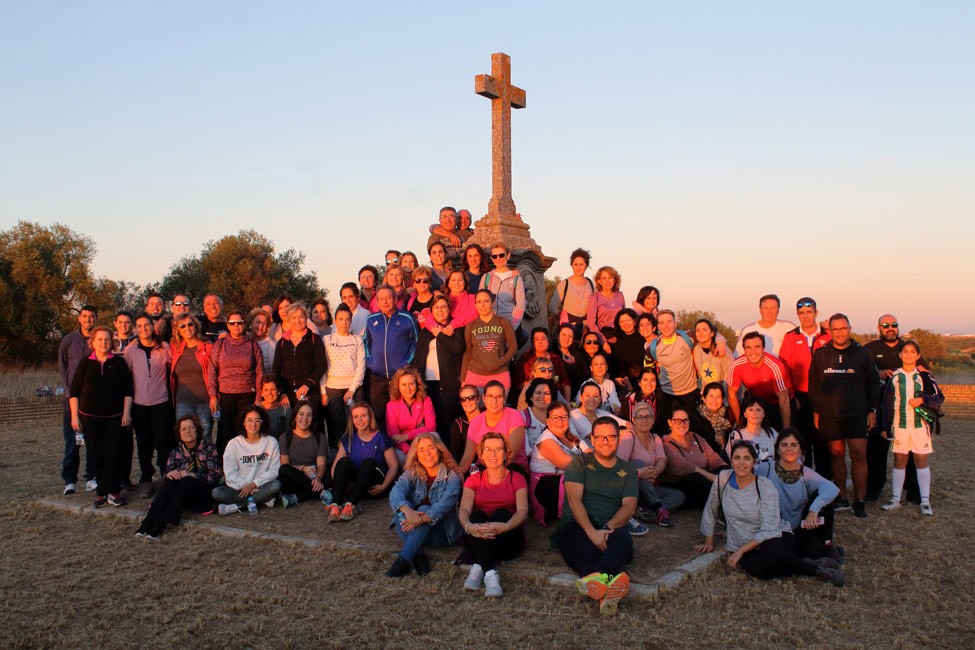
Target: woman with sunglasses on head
759, 540
550, 455
470, 407
497, 417
189, 379
603, 306
475, 265
506, 285
691, 463
439, 355
250, 464
234, 377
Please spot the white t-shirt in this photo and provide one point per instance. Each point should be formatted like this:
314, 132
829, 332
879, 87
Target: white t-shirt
773, 336
540, 465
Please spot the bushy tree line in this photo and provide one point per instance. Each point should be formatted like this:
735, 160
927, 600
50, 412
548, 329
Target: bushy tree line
45, 277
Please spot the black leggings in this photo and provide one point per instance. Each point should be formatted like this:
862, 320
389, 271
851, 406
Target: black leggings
153, 433
506, 546
776, 558
173, 497
361, 479
696, 489
103, 437
547, 494
294, 481
584, 558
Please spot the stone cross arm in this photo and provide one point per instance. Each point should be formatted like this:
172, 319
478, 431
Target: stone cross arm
488, 86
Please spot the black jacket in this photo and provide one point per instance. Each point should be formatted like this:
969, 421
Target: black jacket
450, 355
843, 383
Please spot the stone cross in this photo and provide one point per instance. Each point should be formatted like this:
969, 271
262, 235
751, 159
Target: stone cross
497, 86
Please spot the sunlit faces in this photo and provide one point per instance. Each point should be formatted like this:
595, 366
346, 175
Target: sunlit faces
605, 439
500, 258
101, 342
385, 301
212, 307
605, 280
542, 396
464, 219
304, 417
188, 434
181, 304
679, 422
468, 400
494, 399
754, 414
407, 387
648, 383
627, 324
754, 349
86, 320
598, 367
252, 424
667, 324
259, 326
558, 421
473, 259
807, 317
394, 277
428, 454
540, 342
590, 342
123, 326
343, 321
494, 452
437, 255
839, 329
421, 282
349, 298
742, 460
440, 310
236, 324
651, 301
769, 309
143, 328
909, 355
703, 333
483, 304
360, 418
591, 397
789, 448
457, 283
408, 262
271, 394
367, 279
579, 266
642, 416
187, 329
646, 328
566, 337
889, 328
155, 306
713, 400
298, 321
448, 219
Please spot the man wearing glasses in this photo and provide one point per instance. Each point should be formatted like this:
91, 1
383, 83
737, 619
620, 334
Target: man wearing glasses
797, 348
390, 343
886, 352
844, 391
601, 492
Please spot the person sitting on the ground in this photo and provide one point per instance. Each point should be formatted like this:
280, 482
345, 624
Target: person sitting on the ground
409, 411
424, 501
691, 463
250, 464
540, 396
541, 368
364, 464
645, 451
470, 406
550, 456
493, 508
712, 419
645, 392
599, 376
759, 540
277, 406
497, 417
541, 349
304, 454
601, 492
571, 357
805, 497
192, 471
582, 419
754, 427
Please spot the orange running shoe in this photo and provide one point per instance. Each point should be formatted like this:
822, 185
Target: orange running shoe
617, 588
593, 585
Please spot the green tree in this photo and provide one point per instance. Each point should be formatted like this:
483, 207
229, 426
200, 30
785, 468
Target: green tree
933, 346
244, 270
686, 320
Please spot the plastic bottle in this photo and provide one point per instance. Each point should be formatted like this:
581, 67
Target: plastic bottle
251, 506
79, 438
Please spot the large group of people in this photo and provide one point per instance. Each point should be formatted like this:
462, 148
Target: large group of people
414, 391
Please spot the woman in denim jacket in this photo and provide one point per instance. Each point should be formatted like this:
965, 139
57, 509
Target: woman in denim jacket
424, 502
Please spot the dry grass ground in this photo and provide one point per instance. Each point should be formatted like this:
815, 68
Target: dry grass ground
22, 382
70, 581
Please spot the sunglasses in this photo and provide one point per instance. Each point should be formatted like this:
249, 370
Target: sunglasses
181, 303
590, 342
186, 326
235, 323
889, 326
421, 281
469, 398
805, 303
498, 256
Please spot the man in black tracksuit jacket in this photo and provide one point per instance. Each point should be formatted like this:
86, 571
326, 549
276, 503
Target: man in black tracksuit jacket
844, 392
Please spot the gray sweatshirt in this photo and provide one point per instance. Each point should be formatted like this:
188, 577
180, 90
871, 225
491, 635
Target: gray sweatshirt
749, 516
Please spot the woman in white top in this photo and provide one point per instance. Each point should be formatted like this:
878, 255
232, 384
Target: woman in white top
599, 369
342, 382
754, 428
250, 464
550, 456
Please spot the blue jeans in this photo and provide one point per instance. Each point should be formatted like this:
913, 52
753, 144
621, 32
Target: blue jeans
228, 495
658, 496
71, 461
426, 535
202, 411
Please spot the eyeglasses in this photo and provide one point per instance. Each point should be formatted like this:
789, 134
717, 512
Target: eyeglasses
492, 450
889, 326
468, 398
498, 256
611, 438
421, 281
253, 421
558, 418
486, 396
642, 417
181, 303
235, 323
680, 421
186, 325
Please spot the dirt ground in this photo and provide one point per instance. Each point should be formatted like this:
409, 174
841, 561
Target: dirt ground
69, 581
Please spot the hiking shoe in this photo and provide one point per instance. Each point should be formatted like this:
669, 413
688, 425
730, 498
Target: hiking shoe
326, 497
474, 578
646, 515
836, 552
617, 588
926, 509
825, 562
492, 584
593, 585
832, 576
158, 528
842, 504
860, 509
635, 528
144, 527
116, 500
146, 490
893, 504
349, 511
101, 502
334, 513
663, 518
91, 485
228, 508
421, 564
70, 488
398, 568
289, 500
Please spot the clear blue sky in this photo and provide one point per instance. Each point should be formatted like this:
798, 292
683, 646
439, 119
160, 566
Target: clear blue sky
717, 150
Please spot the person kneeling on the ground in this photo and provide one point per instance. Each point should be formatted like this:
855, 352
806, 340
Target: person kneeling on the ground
192, 472
492, 510
759, 540
250, 464
304, 453
601, 492
424, 501
365, 463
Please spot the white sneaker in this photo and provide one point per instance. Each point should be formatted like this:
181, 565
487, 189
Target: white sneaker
926, 509
91, 485
475, 578
70, 488
893, 504
228, 508
270, 503
492, 584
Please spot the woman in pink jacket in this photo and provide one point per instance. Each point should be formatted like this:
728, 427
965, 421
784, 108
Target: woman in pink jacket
410, 410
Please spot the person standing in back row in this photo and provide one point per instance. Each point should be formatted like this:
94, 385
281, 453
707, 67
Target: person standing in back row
769, 325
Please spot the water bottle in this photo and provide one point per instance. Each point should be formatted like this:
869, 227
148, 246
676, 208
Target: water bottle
79, 438
216, 415
251, 506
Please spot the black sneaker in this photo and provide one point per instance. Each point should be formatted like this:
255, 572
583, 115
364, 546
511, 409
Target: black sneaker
842, 504
421, 563
158, 528
101, 502
399, 568
144, 528
860, 509
833, 576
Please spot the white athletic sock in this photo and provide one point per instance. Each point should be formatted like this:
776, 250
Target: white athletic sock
897, 483
924, 484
